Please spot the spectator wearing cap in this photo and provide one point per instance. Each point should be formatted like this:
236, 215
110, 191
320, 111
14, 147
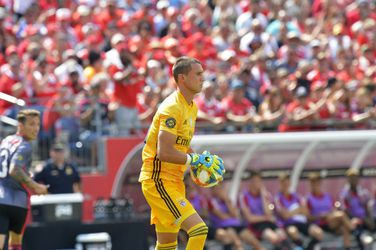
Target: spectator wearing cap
60, 175
238, 108
323, 213
314, 47
112, 56
300, 110
355, 200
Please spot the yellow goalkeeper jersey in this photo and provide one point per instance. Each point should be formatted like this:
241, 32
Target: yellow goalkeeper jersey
175, 116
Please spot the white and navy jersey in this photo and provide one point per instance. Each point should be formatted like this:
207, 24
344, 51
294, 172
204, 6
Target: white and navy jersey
16, 151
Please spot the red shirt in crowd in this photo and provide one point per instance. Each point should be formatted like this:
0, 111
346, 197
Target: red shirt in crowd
7, 81
237, 108
212, 107
291, 108
126, 92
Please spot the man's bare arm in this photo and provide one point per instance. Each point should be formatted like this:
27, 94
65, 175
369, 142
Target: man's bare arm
22, 177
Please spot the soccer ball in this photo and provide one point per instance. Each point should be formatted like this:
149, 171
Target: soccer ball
203, 178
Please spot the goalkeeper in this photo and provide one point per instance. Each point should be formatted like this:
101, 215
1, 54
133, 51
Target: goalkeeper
166, 156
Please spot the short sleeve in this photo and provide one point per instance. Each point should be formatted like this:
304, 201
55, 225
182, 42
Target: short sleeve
169, 119
77, 177
39, 176
22, 156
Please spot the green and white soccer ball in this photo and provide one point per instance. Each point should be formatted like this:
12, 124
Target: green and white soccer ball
203, 178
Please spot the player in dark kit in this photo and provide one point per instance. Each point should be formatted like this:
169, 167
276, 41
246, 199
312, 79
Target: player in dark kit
15, 181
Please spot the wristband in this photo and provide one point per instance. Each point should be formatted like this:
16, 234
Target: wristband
189, 160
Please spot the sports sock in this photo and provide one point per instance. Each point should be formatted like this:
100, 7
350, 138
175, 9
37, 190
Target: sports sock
167, 246
197, 236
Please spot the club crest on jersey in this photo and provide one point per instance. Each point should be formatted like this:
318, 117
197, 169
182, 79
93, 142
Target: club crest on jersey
170, 122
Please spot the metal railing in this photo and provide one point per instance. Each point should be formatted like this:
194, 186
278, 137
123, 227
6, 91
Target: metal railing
89, 156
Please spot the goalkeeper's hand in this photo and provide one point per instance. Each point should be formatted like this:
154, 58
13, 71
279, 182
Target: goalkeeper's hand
213, 163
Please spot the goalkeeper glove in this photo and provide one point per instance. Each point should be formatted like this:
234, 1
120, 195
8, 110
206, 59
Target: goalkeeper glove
213, 163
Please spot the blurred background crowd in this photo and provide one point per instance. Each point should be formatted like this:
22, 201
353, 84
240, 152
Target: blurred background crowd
101, 67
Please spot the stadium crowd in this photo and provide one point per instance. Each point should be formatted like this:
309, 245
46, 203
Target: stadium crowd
101, 67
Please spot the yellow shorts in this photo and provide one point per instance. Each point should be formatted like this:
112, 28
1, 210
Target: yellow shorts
169, 207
